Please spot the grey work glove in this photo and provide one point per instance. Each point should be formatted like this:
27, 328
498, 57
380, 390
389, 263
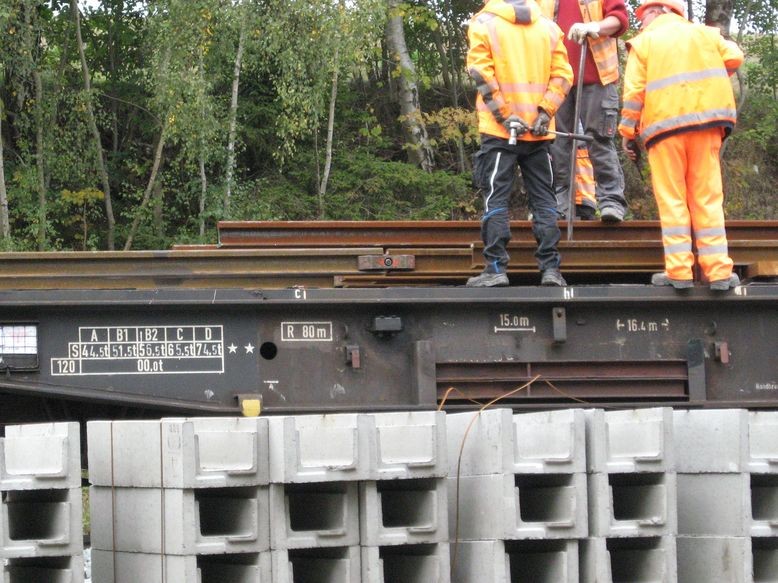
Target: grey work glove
580, 30
521, 129
540, 127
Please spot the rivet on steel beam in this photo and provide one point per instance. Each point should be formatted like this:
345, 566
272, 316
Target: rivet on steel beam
559, 317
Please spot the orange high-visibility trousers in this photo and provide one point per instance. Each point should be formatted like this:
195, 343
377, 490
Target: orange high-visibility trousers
584, 179
686, 176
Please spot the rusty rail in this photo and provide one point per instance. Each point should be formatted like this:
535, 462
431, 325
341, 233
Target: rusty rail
259, 234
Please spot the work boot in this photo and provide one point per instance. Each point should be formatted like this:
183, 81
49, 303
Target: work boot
585, 213
661, 279
488, 280
724, 284
611, 215
552, 277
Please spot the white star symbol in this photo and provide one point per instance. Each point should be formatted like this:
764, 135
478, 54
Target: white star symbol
249, 348
232, 348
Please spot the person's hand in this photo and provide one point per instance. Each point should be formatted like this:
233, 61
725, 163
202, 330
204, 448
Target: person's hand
580, 30
516, 122
540, 127
630, 148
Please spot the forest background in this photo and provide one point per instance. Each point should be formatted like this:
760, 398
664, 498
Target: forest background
141, 124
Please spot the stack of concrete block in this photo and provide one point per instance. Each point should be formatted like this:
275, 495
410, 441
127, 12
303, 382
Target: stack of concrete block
632, 497
40, 508
403, 520
517, 496
358, 497
714, 498
180, 500
763, 467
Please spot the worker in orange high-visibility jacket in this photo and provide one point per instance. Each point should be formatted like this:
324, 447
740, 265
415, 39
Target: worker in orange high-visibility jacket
519, 63
679, 105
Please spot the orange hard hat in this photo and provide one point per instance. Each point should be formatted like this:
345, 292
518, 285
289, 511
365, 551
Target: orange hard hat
675, 5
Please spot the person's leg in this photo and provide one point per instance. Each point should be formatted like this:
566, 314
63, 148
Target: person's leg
599, 115
560, 152
535, 164
668, 176
497, 175
706, 204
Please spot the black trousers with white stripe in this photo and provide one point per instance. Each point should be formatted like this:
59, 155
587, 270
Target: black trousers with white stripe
494, 173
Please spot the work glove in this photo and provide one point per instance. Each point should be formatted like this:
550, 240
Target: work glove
540, 127
580, 30
522, 127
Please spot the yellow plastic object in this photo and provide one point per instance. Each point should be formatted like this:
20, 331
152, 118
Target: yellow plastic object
251, 407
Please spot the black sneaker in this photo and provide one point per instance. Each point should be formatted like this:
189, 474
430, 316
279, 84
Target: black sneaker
552, 277
724, 284
662, 279
488, 280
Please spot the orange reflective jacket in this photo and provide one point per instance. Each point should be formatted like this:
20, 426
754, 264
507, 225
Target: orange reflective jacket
677, 79
519, 63
604, 49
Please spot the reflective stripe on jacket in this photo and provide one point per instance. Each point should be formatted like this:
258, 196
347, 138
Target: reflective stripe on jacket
604, 49
677, 79
519, 63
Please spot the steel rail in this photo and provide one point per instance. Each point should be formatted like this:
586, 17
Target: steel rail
277, 268
286, 234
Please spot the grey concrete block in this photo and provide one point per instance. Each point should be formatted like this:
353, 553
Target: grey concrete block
180, 522
331, 565
626, 560
763, 442
179, 453
496, 561
714, 559
714, 505
402, 512
711, 441
765, 559
764, 505
497, 441
40, 456
311, 515
408, 444
632, 505
423, 563
108, 567
43, 570
635, 440
320, 448
520, 506
41, 523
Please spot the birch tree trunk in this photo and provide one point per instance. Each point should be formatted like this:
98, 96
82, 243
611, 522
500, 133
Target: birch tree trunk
408, 90
5, 229
201, 159
233, 120
99, 155
330, 133
149, 187
40, 156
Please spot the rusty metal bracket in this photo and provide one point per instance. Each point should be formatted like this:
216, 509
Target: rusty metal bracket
721, 352
386, 262
353, 357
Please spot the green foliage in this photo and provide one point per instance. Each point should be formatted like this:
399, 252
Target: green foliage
171, 63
